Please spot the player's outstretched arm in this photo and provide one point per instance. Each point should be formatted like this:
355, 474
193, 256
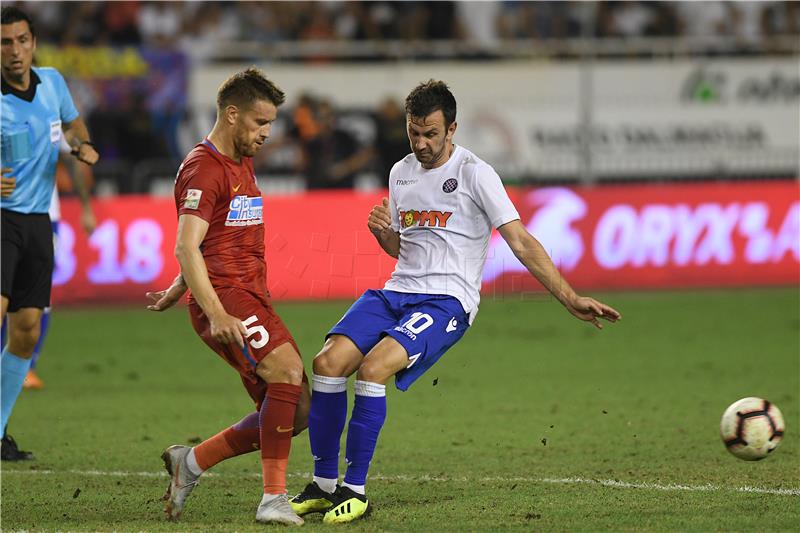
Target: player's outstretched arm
533, 255
164, 299
225, 328
80, 180
380, 224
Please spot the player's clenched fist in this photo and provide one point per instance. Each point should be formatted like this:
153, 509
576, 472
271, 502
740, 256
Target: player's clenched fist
380, 217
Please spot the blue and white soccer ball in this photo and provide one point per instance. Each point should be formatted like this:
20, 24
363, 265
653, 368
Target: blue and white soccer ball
752, 428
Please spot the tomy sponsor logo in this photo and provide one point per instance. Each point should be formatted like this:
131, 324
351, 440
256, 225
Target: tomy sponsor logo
244, 211
428, 218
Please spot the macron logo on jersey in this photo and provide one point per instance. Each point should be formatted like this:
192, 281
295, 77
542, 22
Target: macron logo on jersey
245, 211
424, 218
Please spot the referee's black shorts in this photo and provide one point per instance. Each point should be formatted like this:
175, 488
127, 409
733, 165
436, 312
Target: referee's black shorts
27, 259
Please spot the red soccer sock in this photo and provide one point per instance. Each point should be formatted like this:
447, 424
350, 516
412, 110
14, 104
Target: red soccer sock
236, 440
277, 424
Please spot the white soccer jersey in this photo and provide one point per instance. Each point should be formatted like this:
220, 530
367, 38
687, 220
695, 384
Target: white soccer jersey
445, 217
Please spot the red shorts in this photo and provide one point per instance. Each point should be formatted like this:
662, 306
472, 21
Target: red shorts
266, 331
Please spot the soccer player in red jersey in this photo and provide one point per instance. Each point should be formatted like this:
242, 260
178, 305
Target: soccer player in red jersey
220, 248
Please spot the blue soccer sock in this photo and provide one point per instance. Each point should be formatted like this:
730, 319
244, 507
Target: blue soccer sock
12, 373
325, 425
369, 413
43, 326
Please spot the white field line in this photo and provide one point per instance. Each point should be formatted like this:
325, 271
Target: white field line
613, 483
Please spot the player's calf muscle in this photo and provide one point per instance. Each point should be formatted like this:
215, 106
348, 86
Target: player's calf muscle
23, 333
303, 408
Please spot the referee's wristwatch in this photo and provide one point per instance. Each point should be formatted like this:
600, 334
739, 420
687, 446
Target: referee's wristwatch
77, 149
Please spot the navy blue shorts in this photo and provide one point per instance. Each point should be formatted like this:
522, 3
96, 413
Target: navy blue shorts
426, 325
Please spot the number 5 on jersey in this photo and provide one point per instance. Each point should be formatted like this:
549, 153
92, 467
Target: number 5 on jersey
263, 336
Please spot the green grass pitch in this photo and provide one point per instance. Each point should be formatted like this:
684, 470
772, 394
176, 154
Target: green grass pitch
533, 422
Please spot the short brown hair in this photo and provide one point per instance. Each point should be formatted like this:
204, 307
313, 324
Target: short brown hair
245, 87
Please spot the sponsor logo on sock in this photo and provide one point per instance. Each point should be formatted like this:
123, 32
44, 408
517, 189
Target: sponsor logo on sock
281, 429
452, 325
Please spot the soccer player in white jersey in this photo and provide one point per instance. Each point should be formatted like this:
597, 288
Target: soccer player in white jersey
443, 203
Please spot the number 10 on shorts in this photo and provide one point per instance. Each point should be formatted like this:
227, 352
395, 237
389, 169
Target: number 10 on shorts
415, 325
418, 322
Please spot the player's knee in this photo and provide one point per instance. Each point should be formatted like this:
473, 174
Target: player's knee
281, 370
292, 374
374, 372
327, 364
22, 339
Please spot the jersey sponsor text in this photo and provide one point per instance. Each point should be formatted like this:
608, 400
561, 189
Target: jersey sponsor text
424, 218
245, 211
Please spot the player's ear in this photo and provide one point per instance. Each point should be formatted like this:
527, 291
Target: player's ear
231, 114
451, 129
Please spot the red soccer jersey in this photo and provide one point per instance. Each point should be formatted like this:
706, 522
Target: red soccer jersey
225, 194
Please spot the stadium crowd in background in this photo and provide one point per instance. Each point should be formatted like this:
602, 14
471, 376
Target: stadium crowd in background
198, 27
